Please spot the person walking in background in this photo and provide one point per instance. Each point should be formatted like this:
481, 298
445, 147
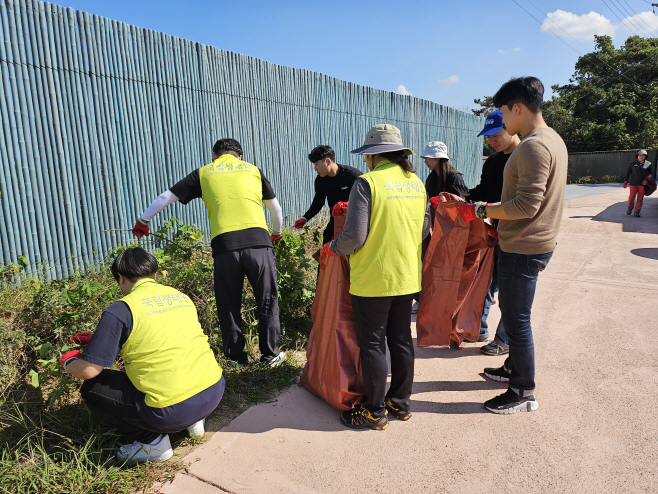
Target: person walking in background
234, 192
333, 185
172, 380
490, 190
636, 176
387, 218
530, 214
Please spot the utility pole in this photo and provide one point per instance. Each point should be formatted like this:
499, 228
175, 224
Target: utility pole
654, 5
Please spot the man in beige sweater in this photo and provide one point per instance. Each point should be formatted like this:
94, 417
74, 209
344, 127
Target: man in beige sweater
530, 213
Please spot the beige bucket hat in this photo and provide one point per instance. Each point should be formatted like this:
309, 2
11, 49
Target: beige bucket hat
382, 138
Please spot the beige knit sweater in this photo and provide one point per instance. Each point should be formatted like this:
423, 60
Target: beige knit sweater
533, 193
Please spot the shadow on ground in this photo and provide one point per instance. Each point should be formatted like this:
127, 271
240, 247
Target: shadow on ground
647, 223
649, 253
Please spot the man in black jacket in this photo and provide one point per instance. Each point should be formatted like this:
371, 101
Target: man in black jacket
636, 175
333, 184
489, 190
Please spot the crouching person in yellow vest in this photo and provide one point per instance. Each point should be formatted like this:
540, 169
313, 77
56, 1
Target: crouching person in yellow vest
387, 219
172, 380
234, 193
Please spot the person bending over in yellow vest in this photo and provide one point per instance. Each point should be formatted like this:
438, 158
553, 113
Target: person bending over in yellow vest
172, 380
234, 192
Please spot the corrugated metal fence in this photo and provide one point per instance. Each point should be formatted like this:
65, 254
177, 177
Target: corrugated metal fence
601, 163
99, 117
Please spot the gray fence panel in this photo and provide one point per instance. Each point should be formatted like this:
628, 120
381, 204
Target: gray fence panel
99, 117
601, 163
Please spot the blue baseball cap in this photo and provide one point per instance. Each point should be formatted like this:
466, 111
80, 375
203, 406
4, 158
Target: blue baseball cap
493, 124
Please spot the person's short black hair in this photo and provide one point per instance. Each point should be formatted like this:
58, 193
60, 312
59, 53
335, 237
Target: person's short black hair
224, 146
322, 152
134, 264
528, 91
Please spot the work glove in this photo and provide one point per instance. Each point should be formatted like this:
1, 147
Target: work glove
82, 338
274, 237
300, 223
625, 184
434, 202
69, 357
325, 247
467, 211
337, 210
140, 229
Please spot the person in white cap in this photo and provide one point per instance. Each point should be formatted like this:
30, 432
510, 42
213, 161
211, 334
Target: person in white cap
387, 218
637, 174
443, 176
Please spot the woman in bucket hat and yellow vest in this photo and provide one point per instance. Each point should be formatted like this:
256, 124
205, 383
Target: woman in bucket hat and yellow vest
387, 219
172, 380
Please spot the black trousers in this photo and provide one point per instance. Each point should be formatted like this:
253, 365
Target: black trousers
259, 266
378, 321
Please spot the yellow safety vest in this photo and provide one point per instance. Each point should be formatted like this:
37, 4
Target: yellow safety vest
389, 262
233, 193
166, 356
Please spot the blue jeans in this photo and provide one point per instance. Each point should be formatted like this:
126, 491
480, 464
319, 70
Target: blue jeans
501, 336
517, 280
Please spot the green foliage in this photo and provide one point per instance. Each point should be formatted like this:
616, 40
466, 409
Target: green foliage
605, 179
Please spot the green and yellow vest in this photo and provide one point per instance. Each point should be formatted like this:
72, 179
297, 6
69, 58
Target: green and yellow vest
166, 355
389, 262
233, 193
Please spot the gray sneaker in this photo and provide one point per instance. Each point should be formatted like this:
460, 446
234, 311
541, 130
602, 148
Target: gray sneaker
495, 348
276, 361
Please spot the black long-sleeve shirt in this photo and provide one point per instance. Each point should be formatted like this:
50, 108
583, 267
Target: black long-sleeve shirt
490, 188
333, 190
454, 184
637, 172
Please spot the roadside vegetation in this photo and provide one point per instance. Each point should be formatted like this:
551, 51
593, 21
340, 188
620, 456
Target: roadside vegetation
49, 442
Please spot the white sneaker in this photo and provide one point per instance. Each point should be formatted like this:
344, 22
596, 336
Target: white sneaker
197, 428
414, 308
140, 453
277, 361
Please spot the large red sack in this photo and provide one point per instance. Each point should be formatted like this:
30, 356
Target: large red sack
333, 367
457, 272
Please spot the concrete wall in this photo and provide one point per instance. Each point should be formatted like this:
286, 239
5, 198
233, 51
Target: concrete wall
600, 163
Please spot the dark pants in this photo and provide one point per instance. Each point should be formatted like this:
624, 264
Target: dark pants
517, 280
259, 266
501, 336
113, 398
378, 321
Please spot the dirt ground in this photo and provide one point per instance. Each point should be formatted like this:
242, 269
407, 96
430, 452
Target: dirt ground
596, 430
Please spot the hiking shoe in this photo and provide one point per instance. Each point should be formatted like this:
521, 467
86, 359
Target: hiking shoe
495, 348
359, 418
511, 402
483, 337
238, 362
275, 361
140, 453
414, 308
629, 210
396, 412
500, 374
637, 214
197, 428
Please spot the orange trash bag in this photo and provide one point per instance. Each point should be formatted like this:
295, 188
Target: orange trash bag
333, 367
457, 272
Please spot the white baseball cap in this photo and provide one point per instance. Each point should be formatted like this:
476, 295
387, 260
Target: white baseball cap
435, 149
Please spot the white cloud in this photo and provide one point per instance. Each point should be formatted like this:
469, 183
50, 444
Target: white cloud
648, 20
450, 80
516, 49
578, 26
501, 51
403, 90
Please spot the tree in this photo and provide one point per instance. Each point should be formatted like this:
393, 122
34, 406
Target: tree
487, 107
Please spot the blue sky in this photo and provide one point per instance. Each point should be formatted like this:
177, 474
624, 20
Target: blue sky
445, 51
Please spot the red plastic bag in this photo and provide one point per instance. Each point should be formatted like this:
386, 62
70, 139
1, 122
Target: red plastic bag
457, 271
333, 367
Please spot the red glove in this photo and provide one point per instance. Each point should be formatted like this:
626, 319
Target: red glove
300, 223
625, 184
81, 338
274, 238
140, 229
69, 357
434, 202
337, 210
467, 211
325, 247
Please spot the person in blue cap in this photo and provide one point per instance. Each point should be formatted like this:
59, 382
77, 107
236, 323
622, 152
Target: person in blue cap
490, 190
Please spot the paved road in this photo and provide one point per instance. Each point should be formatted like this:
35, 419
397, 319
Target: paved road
575, 191
596, 430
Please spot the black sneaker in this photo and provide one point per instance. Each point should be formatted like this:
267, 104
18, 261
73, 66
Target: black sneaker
637, 214
495, 348
511, 402
500, 374
396, 412
359, 418
629, 210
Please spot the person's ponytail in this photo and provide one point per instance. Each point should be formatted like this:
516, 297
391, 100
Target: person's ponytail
400, 157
